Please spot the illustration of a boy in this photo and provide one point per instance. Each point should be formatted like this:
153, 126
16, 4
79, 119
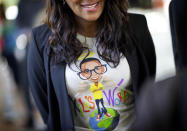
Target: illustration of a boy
92, 70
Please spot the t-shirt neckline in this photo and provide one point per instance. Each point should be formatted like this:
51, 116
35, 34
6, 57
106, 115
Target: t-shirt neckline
89, 41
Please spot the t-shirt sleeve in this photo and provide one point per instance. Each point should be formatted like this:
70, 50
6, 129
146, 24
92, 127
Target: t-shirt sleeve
37, 77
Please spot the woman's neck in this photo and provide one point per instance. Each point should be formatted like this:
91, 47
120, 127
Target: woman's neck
87, 28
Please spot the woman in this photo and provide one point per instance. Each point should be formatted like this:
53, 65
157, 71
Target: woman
87, 63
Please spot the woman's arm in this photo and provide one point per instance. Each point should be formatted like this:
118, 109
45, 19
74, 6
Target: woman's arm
37, 78
144, 42
148, 48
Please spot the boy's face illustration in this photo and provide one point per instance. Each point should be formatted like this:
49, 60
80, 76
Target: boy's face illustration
92, 70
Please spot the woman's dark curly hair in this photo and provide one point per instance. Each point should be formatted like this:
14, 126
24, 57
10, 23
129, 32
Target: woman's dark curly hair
112, 34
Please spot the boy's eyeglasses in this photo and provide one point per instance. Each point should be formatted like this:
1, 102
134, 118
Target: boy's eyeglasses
86, 74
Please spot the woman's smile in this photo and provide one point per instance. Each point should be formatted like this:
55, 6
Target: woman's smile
87, 10
91, 7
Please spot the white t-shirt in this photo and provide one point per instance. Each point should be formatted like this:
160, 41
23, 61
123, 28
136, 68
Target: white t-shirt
102, 96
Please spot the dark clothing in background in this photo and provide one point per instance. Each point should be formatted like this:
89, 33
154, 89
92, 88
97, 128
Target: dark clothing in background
162, 106
173, 33
27, 12
47, 81
178, 15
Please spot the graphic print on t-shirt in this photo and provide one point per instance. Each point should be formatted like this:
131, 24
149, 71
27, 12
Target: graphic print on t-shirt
92, 70
93, 80
101, 96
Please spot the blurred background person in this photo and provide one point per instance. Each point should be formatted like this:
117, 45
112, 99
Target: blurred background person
15, 34
179, 32
9, 46
7, 82
27, 12
162, 106
2, 19
2, 48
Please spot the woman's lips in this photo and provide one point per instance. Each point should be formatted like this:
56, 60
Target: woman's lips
90, 7
89, 4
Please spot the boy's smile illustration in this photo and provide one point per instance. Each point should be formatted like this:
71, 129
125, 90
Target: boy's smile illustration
92, 70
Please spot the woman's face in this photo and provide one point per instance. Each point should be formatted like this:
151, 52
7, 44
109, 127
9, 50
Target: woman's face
88, 10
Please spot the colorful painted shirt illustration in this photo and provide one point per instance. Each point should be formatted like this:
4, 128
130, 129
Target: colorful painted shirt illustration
102, 96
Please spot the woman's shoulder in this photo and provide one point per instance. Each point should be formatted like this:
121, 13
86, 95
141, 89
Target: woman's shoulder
138, 25
137, 22
41, 31
40, 35
136, 16
144, 41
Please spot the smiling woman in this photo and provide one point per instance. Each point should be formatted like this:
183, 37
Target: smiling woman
87, 63
86, 14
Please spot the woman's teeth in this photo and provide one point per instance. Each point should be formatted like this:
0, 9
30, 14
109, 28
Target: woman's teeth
90, 6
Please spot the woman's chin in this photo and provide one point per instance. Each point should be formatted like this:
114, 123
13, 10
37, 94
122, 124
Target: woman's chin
91, 18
